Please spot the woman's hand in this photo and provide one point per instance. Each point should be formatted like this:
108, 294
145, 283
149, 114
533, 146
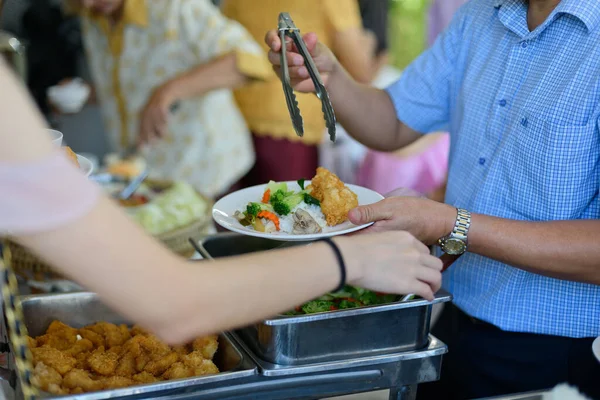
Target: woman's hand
323, 57
426, 219
391, 262
154, 117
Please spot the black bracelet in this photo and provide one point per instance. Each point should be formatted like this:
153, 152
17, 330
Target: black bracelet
340, 259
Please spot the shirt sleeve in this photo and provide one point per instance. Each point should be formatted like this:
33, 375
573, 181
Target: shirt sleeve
342, 14
421, 96
211, 35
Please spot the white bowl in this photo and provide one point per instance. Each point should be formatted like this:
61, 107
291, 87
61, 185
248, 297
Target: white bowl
56, 136
70, 97
85, 165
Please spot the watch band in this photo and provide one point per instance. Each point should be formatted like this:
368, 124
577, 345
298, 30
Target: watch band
462, 225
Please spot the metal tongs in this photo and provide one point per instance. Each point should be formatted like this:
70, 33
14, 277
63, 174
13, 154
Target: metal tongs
287, 28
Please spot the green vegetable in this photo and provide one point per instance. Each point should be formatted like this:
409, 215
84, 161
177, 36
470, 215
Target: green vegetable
301, 183
308, 199
275, 187
345, 304
277, 196
285, 205
316, 306
254, 208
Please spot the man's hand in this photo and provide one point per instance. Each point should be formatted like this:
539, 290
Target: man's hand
323, 57
154, 117
425, 219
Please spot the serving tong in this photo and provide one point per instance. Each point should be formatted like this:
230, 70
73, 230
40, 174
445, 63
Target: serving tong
287, 28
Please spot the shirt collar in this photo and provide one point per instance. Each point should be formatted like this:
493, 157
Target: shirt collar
587, 11
135, 12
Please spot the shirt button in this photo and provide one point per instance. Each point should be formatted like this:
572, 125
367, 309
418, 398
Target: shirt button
481, 161
524, 45
524, 122
502, 103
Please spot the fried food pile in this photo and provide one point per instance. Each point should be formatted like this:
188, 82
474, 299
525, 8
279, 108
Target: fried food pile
71, 155
106, 356
335, 197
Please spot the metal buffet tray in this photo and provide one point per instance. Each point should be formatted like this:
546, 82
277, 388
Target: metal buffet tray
329, 336
80, 309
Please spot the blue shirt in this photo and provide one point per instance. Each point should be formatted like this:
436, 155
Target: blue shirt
523, 111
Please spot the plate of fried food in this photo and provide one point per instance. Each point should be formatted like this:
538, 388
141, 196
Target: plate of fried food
294, 211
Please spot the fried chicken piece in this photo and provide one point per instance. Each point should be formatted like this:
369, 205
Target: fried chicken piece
59, 336
113, 336
141, 361
145, 377
116, 382
47, 378
127, 365
78, 378
198, 364
178, 371
54, 358
96, 338
71, 155
138, 330
133, 345
31, 342
82, 360
207, 346
118, 350
155, 347
103, 362
125, 334
181, 350
336, 199
159, 365
80, 346
77, 391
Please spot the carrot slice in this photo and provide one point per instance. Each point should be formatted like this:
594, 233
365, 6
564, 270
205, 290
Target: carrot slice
270, 216
266, 196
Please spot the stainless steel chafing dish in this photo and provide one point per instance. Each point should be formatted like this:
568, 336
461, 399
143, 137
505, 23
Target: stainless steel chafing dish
80, 309
329, 336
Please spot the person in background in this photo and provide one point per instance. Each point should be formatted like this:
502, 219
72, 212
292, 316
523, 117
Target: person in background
423, 165
50, 207
163, 71
280, 154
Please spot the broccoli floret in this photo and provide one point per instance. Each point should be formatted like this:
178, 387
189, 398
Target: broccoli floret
254, 208
277, 196
285, 205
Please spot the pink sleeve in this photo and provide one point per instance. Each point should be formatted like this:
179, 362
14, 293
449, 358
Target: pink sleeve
43, 195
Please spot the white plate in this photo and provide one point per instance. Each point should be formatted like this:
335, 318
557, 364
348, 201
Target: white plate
85, 165
596, 348
224, 209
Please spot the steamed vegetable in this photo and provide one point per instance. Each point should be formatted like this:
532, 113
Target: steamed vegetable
284, 205
254, 208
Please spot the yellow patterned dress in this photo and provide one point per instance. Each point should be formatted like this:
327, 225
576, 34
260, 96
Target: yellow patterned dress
208, 142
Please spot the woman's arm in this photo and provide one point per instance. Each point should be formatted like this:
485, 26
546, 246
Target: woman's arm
108, 253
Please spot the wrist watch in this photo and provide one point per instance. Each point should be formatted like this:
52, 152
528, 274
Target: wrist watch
456, 242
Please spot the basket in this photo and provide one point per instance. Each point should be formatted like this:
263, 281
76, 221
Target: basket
29, 267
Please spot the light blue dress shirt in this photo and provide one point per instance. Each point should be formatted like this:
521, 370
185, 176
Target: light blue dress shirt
523, 111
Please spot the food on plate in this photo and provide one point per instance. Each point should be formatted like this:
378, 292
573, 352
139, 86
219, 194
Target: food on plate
349, 297
325, 202
106, 356
135, 200
336, 198
171, 209
126, 168
71, 155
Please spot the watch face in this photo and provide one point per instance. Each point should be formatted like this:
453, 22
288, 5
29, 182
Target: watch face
454, 246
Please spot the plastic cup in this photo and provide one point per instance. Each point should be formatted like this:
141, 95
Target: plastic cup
56, 136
